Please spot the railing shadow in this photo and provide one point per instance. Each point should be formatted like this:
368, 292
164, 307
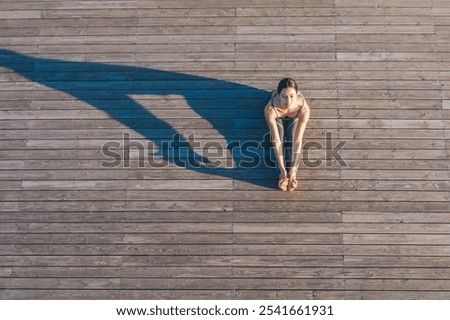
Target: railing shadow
109, 88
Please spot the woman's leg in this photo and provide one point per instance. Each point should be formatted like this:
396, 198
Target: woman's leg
281, 132
294, 159
290, 132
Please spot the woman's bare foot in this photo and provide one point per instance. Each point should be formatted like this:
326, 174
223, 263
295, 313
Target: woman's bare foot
283, 182
293, 184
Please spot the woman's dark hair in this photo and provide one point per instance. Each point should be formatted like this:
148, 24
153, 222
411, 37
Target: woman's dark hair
287, 83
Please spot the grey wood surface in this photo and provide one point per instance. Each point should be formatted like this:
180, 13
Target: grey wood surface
376, 75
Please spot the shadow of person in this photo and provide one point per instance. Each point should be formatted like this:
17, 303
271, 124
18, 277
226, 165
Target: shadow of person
109, 88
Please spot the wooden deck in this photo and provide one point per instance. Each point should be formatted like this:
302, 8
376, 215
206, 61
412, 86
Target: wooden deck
79, 74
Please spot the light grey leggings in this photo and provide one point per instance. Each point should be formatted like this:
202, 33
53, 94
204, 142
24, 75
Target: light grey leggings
286, 129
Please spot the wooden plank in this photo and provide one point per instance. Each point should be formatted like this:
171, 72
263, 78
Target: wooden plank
205, 135
395, 239
396, 185
391, 20
137, 176
382, 3
228, 294
123, 250
202, 272
394, 174
173, 260
69, 22
225, 124
166, 294
401, 294
116, 206
170, 238
397, 261
10, 185
384, 11
423, 228
142, 12
397, 250
60, 4
404, 284
173, 249
171, 284
68, 169
412, 196
377, 206
130, 227
125, 272
164, 217
92, 184
331, 29
380, 56
400, 217
20, 14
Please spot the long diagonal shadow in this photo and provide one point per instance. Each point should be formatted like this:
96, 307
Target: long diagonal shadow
109, 87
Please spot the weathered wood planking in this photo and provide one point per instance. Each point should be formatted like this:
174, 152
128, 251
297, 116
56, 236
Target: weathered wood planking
376, 75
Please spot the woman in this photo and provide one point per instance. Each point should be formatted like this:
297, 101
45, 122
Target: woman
287, 112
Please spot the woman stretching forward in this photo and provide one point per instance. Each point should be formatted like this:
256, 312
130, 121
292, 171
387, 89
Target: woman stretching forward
287, 113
